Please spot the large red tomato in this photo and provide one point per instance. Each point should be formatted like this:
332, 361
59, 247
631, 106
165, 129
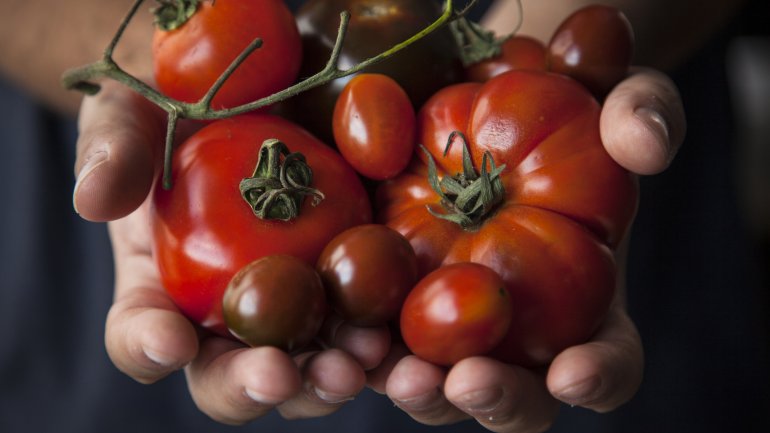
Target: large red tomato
190, 58
205, 232
554, 206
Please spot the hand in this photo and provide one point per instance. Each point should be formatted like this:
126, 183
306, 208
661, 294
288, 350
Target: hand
119, 152
642, 127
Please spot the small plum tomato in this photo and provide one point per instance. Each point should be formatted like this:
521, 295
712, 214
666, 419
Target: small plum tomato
374, 126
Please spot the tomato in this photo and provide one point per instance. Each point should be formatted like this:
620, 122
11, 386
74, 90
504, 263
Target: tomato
277, 300
594, 45
457, 311
367, 271
189, 59
517, 52
374, 126
549, 206
375, 26
203, 230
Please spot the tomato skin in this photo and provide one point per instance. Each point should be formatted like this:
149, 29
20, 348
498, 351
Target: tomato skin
518, 52
457, 311
375, 26
276, 300
367, 271
188, 60
567, 204
203, 230
595, 46
374, 126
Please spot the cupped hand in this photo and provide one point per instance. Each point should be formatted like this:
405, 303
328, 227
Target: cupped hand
642, 126
118, 158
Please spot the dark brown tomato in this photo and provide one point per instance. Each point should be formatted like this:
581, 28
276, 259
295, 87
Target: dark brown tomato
276, 301
367, 271
594, 45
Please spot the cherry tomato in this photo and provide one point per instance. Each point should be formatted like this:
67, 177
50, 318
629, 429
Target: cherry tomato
517, 52
276, 301
189, 59
375, 26
203, 229
594, 45
374, 125
457, 311
557, 205
367, 271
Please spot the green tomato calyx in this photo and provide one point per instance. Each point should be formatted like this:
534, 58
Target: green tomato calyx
467, 198
172, 14
280, 183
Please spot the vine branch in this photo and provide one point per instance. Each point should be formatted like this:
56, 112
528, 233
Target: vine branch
84, 77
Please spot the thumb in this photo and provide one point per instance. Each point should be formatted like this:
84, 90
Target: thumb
120, 139
643, 122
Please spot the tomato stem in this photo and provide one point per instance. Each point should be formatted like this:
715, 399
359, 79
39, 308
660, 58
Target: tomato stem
477, 44
171, 14
280, 183
467, 198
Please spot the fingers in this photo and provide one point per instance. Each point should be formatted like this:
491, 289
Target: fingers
330, 379
416, 386
146, 338
643, 122
233, 384
368, 346
502, 397
120, 134
603, 374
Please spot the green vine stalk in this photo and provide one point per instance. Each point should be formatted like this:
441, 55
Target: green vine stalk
83, 78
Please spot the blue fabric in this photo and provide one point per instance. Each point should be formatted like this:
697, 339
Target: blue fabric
694, 291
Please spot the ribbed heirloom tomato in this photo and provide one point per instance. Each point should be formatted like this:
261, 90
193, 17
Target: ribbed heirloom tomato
206, 227
536, 199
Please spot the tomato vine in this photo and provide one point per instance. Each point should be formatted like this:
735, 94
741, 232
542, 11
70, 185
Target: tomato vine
82, 78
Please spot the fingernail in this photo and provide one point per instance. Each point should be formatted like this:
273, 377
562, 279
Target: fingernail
580, 392
93, 161
419, 403
658, 125
159, 358
261, 398
331, 397
481, 401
